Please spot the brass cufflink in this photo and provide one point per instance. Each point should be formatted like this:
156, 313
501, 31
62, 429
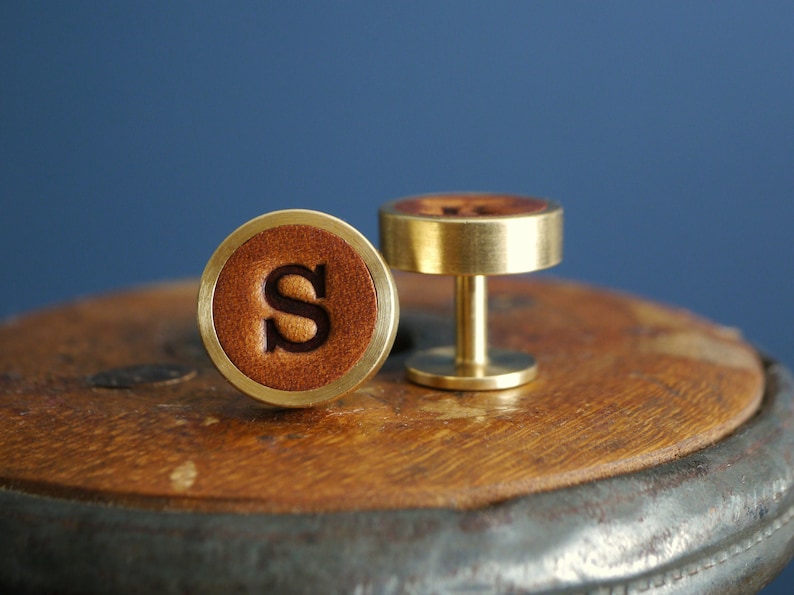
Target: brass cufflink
471, 236
297, 308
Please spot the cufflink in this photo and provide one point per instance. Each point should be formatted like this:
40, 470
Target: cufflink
471, 236
297, 308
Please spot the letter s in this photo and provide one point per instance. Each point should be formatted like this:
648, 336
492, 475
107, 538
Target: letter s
282, 303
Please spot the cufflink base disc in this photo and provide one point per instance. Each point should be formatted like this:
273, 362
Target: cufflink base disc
504, 369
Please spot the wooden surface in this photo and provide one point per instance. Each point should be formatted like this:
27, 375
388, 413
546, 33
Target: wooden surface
623, 384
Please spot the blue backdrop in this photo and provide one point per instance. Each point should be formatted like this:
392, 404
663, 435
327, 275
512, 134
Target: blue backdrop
134, 137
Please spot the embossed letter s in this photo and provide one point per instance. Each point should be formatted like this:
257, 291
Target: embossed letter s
282, 303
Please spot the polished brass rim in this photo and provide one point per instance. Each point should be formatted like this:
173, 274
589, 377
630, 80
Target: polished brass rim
385, 325
478, 245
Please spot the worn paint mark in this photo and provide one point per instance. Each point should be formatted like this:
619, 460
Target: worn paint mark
184, 476
655, 315
451, 409
702, 348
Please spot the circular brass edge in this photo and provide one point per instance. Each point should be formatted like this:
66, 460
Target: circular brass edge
437, 368
385, 323
487, 245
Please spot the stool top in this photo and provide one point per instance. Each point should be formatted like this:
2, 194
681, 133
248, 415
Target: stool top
625, 385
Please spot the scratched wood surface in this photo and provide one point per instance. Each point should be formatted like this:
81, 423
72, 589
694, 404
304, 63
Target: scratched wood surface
623, 384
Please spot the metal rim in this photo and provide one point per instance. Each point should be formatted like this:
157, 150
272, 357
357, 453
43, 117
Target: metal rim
477, 245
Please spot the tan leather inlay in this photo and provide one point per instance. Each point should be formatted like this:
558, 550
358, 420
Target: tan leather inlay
240, 307
471, 205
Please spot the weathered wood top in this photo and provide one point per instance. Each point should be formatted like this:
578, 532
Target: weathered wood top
623, 384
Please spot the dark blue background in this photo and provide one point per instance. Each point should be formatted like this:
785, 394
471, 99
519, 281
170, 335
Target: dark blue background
134, 137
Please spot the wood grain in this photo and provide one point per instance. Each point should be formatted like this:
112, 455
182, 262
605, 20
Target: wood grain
623, 384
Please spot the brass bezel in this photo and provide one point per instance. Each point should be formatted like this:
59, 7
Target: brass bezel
385, 325
482, 245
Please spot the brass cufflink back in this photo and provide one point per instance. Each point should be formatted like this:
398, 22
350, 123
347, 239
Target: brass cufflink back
297, 308
471, 236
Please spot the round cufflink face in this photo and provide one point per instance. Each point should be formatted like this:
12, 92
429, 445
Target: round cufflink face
297, 308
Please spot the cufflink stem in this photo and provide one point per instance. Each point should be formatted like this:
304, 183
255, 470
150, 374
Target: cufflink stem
471, 365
